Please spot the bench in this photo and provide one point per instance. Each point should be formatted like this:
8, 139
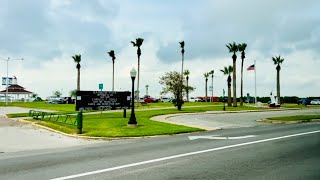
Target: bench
144, 104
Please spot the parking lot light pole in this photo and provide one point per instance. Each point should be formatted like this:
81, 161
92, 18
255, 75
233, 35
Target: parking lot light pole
7, 79
132, 121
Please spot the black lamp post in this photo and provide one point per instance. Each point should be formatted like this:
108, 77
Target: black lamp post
132, 121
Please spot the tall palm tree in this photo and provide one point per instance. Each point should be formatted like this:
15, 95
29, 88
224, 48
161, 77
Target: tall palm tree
206, 75
186, 73
138, 44
211, 73
77, 59
113, 56
182, 53
233, 48
242, 48
278, 61
227, 71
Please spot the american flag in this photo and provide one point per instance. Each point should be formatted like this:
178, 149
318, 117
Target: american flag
251, 67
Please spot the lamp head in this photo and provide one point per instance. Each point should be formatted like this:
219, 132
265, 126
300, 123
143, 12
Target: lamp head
133, 73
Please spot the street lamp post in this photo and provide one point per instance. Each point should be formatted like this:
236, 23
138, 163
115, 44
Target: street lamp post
132, 121
7, 79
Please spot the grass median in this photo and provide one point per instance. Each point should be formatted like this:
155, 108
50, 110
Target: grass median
112, 124
304, 118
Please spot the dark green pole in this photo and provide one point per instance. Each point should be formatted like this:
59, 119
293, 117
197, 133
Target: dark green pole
79, 122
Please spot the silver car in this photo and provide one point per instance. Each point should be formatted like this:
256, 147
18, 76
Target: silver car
315, 102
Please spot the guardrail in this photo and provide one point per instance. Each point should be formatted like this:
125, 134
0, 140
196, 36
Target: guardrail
70, 119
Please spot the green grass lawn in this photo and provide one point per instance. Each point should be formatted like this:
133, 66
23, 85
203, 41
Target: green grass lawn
306, 118
112, 124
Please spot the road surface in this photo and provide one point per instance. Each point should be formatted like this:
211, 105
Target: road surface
264, 151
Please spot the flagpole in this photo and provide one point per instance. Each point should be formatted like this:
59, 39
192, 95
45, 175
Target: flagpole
255, 82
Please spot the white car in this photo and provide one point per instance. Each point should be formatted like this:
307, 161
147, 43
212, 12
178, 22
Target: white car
165, 99
194, 99
315, 102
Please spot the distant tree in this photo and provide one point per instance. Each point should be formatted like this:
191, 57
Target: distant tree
233, 48
57, 93
77, 59
138, 44
171, 84
34, 95
206, 75
242, 47
278, 61
112, 55
227, 71
73, 93
186, 73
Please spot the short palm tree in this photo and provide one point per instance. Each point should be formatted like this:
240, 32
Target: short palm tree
77, 59
138, 44
242, 47
186, 73
212, 74
113, 56
227, 71
206, 75
278, 61
233, 48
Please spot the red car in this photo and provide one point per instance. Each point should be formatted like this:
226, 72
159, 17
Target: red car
149, 99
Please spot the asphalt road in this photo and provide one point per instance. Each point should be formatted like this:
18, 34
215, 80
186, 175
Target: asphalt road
271, 152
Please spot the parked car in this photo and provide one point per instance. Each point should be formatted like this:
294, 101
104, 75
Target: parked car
315, 102
165, 99
194, 99
55, 100
304, 101
149, 99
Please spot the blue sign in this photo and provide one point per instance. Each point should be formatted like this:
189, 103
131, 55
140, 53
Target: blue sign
4, 81
100, 86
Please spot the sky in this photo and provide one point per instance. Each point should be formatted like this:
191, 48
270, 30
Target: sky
47, 33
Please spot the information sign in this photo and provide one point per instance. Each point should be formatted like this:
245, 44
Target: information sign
102, 100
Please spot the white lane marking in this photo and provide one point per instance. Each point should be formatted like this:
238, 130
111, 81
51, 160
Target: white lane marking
213, 137
180, 155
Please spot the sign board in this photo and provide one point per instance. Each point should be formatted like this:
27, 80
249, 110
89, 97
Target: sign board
101, 86
4, 81
102, 100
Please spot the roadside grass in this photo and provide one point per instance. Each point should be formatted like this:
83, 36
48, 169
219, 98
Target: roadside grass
306, 118
289, 105
112, 124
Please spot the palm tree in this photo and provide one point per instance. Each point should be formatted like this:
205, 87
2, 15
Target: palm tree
186, 73
206, 75
182, 53
211, 73
147, 86
77, 59
233, 48
278, 61
113, 56
138, 44
227, 71
242, 48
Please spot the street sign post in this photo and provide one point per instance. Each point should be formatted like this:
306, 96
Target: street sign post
100, 86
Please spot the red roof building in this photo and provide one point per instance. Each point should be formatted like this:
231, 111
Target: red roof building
15, 90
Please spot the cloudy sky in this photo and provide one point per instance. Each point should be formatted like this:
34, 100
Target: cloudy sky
46, 33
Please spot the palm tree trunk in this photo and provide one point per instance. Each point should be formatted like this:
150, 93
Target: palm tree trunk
78, 80
187, 90
278, 86
234, 84
138, 80
241, 88
206, 90
229, 96
112, 76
